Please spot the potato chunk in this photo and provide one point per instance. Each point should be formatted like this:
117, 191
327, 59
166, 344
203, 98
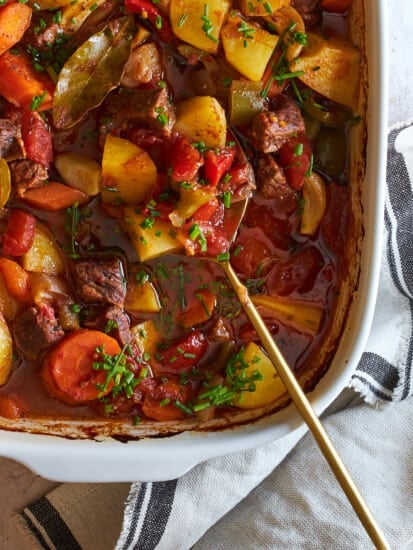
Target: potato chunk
128, 172
202, 118
247, 47
142, 297
189, 22
6, 351
331, 67
257, 8
146, 336
80, 172
45, 255
284, 19
150, 242
267, 389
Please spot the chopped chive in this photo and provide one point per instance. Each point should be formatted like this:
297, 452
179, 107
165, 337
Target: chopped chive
223, 257
298, 151
268, 7
183, 407
182, 19
200, 297
158, 22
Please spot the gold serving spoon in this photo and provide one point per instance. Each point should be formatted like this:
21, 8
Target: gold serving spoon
233, 219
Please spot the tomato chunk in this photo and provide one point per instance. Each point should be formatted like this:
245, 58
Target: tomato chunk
251, 253
184, 160
297, 274
217, 164
335, 6
19, 235
184, 354
37, 138
161, 403
295, 158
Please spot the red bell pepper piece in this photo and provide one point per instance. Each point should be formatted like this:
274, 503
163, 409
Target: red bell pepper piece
19, 235
217, 164
147, 10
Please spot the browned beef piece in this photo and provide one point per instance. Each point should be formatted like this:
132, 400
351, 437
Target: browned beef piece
143, 67
271, 129
35, 330
11, 142
220, 331
100, 281
113, 321
309, 11
128, 109
27, 174
304, 6
42, 36
273, 184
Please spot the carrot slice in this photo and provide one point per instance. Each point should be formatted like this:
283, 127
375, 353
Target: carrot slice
68, 372
14, 22
54, 196
22, 85
17, 280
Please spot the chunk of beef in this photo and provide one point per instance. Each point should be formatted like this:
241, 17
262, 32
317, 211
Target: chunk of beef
143, 67
304, 6
127, 109
309, 11
271, 129
113, 321
273, 183
11, 142
26, 174
220, 331
43, 32
100, 281
35, 330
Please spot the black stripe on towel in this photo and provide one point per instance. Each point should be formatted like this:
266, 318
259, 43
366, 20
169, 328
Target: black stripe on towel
135, 514
381, 370
57, 530
157, 514
400, 197
36, 532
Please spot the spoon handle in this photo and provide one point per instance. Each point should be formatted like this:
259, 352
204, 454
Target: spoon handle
309, 416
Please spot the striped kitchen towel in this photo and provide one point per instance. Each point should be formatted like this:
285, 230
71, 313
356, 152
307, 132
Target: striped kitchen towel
244, 500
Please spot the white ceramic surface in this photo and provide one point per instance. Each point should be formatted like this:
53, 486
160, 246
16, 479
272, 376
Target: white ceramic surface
168, 458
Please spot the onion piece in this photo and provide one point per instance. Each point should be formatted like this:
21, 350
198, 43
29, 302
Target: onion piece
315, 200
5, 182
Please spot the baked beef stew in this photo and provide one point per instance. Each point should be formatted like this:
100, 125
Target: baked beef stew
128, 131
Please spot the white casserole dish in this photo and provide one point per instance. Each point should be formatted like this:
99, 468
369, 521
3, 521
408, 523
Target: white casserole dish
162, 458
